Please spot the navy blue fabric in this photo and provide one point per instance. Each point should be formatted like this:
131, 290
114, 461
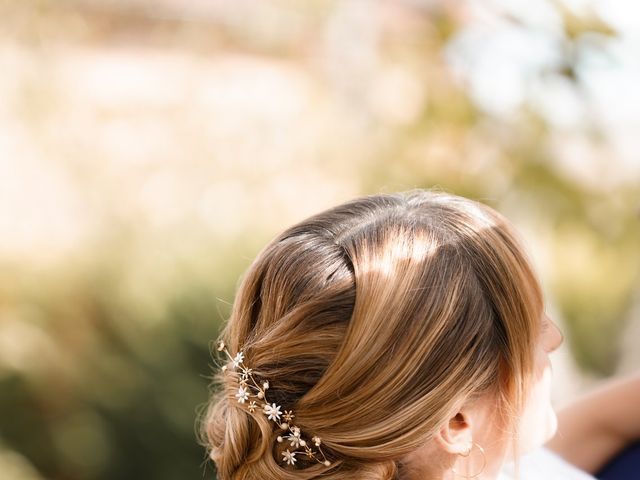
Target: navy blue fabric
625, 466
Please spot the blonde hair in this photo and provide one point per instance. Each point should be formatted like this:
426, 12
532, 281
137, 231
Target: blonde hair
371, 321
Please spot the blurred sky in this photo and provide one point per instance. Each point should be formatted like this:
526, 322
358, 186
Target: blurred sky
495, 56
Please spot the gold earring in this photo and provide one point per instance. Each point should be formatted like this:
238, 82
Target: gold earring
467, 453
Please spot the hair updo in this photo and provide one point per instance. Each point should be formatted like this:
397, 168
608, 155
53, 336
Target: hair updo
371, 321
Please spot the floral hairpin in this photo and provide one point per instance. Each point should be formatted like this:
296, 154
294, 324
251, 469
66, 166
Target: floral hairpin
249, 389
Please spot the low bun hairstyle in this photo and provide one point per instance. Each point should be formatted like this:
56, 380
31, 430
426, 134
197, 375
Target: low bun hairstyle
372, 321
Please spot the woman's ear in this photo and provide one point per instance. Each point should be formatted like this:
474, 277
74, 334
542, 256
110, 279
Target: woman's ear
456, 436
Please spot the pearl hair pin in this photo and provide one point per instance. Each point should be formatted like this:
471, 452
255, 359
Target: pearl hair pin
249, 388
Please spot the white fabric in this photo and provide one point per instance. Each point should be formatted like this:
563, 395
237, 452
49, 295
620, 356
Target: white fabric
543, 464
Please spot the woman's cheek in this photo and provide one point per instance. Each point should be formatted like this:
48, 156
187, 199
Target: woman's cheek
539, 422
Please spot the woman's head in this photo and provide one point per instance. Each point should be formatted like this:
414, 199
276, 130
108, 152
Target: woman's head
389, 324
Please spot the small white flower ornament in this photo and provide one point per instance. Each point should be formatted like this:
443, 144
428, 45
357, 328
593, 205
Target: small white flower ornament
255, 394
289, 457
243, 394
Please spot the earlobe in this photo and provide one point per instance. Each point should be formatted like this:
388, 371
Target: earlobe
456, 436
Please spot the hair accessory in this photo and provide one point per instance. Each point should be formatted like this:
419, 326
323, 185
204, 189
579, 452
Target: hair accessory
466, 454
254, 396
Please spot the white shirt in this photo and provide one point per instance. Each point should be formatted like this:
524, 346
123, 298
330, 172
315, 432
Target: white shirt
544, 464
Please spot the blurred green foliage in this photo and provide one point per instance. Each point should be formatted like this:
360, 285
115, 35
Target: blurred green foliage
177, 139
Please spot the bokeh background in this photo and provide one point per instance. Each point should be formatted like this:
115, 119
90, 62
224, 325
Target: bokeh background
150, 148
